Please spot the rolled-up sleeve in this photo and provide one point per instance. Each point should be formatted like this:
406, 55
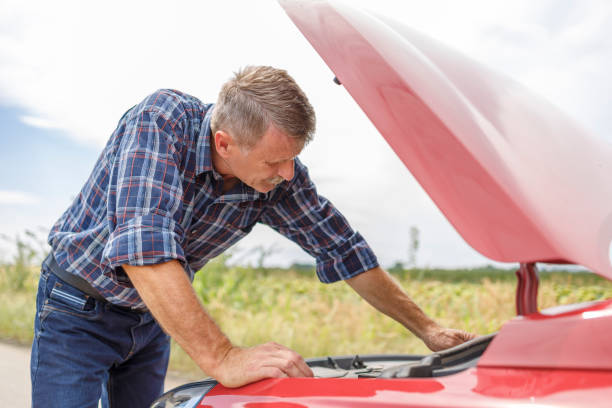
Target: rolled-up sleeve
311, 221
145, 196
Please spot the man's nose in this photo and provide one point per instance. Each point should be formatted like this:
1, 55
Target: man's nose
286, 170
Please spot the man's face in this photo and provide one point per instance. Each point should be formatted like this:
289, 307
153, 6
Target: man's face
267, 163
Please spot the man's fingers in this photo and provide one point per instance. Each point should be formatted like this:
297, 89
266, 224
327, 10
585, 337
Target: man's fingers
290, 366
270, 360
463, 336
291, 362
442, 338
469, 336
271, 372
260, 373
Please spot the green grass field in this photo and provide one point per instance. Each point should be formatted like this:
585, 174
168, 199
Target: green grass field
291, 307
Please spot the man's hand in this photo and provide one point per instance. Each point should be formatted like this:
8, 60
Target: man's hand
382, 292
168, 294
440, 338
271, 360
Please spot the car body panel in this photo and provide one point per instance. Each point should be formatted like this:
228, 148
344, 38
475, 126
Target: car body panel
518, 179
475, 387
563, 361
578, 339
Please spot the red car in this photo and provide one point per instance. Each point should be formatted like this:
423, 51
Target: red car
517, 179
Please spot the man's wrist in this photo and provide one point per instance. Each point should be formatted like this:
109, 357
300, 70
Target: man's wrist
427, 328
211, 359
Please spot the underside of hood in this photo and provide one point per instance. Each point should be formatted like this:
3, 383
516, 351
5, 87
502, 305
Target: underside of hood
518, 179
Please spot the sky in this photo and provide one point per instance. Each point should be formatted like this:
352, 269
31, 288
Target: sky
69, 69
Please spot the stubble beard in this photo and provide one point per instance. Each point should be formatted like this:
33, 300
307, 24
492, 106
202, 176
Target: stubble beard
275, 180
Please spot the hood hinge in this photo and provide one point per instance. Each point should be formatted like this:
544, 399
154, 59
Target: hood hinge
527, 289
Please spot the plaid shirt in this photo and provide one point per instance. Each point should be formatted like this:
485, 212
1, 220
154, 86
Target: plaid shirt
154, 196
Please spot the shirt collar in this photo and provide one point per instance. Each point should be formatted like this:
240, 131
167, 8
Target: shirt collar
203, 150
240, 192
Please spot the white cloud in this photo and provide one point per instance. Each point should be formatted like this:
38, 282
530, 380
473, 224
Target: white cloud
39, 122
82, 64
17, 198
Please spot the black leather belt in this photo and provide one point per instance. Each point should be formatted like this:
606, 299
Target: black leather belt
72, 279
82, 285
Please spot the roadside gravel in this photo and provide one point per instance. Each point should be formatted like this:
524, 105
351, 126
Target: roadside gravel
15, 376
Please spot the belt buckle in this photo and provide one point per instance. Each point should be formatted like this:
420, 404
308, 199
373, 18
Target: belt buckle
139, 309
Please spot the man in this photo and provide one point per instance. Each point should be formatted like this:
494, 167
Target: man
178, 183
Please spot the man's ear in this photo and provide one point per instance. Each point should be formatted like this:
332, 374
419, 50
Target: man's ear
224, 143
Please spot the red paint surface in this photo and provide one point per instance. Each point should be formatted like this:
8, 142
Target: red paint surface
554, 360
516, 177
273, 405
527, 384
478, 387
576, 340
328, 387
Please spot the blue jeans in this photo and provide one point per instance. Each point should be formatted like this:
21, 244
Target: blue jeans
85, 350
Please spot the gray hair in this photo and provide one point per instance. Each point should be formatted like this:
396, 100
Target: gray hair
257, 96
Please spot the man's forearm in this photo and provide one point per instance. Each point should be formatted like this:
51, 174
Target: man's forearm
382, 292
168, 294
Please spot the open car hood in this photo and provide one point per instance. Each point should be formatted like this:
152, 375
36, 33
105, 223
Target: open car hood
516, 177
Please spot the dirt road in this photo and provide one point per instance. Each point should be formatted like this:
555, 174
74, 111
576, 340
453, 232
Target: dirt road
15, 376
